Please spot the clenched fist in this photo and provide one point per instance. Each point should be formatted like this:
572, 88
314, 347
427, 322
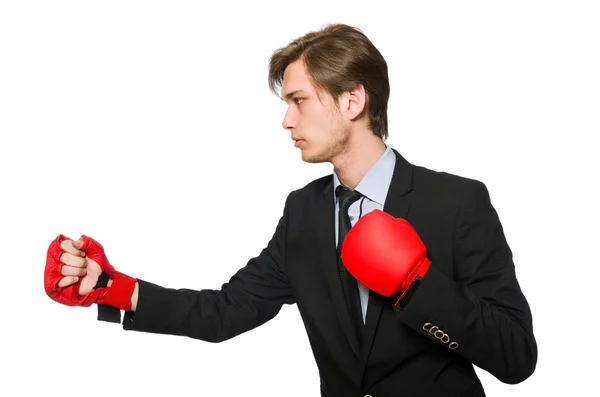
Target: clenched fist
72, 271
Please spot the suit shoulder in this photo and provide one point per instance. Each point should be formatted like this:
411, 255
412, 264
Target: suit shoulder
442, 195
313, 187
301, 202
443, 182
310, 192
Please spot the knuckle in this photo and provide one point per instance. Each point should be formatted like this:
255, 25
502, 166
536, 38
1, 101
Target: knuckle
65, 270
66, 245
72, 260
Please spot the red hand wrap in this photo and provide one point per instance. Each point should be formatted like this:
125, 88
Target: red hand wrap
119, 293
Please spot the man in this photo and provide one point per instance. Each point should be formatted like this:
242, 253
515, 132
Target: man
402, 275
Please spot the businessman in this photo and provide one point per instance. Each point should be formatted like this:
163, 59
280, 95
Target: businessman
402, 275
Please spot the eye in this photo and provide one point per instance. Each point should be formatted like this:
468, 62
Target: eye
298, 101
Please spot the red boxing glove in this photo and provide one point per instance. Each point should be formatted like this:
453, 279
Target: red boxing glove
117, 295
384, 253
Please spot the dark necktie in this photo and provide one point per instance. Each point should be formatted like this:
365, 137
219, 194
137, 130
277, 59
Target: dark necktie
346, 197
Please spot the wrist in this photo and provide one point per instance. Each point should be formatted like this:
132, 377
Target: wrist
134, 297
417, 271
407, 294
120, 290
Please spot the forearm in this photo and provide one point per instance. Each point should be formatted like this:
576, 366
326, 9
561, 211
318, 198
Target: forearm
209, 315
495, 335
253, 296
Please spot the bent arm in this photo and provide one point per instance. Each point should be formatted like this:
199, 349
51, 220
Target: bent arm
480, 307
253, 296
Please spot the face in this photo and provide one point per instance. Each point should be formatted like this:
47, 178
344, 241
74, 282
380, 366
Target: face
313, 117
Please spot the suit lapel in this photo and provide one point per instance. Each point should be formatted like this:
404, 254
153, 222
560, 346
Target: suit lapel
324, 224
397, 204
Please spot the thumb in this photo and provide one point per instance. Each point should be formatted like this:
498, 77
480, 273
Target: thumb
78, 243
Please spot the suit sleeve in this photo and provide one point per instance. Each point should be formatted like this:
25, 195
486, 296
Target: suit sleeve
481, 308
253, 296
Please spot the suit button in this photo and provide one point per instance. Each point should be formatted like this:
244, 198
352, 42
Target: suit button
440, 333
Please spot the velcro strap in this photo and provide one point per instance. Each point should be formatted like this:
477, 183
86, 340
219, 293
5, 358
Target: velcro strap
119, 293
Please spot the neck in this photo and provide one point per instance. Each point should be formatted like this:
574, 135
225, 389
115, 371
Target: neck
358, 157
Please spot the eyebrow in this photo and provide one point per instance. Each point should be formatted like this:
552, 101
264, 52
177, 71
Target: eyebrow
291, 94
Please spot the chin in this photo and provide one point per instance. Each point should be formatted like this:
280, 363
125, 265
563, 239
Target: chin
315, 158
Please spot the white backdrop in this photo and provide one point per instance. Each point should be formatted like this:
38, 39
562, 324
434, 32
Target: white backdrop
140, 123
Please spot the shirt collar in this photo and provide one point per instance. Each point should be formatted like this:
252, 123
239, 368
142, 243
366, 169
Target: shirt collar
376, 183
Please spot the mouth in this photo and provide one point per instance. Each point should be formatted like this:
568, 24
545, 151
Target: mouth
298, 142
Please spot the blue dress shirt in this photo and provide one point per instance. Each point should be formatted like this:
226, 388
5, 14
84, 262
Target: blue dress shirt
374, 187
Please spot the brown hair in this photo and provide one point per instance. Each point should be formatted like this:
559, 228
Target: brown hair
338, 58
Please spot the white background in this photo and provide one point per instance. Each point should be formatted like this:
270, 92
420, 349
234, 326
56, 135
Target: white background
142, 123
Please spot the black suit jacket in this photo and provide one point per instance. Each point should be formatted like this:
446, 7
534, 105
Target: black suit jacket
470, 295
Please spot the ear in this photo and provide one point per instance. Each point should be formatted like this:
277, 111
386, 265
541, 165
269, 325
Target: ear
355, 101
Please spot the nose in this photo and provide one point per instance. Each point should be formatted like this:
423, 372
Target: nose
289, 121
